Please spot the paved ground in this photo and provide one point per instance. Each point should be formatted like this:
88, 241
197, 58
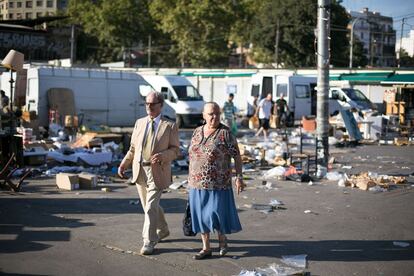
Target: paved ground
44, 231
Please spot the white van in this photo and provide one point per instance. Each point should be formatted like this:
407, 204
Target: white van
299, 92
183, 102
354, 97
100, 96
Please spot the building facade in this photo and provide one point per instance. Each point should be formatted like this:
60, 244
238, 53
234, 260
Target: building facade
30, 9
377, 35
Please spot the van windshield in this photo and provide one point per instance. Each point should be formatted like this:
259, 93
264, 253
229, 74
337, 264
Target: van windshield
187, 93
355, 94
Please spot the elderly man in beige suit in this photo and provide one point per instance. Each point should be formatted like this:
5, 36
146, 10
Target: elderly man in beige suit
154, 144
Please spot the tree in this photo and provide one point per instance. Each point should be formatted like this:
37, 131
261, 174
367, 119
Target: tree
359, 54
406, 60
114, 25
199, 28
296, 21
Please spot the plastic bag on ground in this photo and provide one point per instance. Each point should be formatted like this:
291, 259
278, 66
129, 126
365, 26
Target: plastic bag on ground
335, 176
274, 173
295, 260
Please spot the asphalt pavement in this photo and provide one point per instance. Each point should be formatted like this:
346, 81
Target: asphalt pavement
341, 230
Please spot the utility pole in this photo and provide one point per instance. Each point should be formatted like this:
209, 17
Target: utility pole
72, 45
401, 36
277, 43
323, 87
149, 51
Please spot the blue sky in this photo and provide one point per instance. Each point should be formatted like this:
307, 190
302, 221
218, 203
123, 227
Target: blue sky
397, 9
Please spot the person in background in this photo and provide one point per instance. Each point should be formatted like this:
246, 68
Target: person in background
229, 112
210, 181
251, 107
154, 145
4, 100
264, 110
281, 108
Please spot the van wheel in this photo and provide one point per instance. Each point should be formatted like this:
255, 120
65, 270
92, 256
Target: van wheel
179, 121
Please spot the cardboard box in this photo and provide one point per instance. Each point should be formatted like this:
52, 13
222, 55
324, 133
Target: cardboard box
34, 159
67, 181
87, 181
29, 116
71, 121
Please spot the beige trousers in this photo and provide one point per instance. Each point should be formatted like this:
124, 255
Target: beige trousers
150, 195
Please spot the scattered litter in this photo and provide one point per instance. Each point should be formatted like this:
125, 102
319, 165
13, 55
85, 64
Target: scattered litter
275, 203
262, 207
295, 260
175, 185
346, 167
106, 190
335, 176
245, 197
310, 183
401, 244
272, 270
275, 173
307, 211
235, 257
377, 189
365, 180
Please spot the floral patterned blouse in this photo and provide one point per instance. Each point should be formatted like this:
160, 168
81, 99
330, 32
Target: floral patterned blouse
210, 166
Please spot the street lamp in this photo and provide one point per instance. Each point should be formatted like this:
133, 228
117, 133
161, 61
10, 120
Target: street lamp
352, 41
351, 44
14, 62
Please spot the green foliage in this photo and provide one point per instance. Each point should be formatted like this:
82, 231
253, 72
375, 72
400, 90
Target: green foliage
113, 24
359, 58
297, 20
406, 60
200, 28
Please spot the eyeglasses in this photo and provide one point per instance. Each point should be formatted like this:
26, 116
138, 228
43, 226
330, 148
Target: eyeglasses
151, 104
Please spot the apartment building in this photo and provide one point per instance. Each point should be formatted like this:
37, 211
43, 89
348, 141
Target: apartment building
30, 9
376, 33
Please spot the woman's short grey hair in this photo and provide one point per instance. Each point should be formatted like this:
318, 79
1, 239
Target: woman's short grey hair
212, 103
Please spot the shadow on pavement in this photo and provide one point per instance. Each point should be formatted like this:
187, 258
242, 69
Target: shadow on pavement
330, 250
19, 215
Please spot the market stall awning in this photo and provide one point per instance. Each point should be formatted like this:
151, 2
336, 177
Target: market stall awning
400, 79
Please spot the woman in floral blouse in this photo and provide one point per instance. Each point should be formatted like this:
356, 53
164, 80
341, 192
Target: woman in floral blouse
210, 188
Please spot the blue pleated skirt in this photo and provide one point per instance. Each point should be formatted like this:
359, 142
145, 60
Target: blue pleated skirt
213, 211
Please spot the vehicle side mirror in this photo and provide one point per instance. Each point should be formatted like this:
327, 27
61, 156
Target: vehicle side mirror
335, 96
172, 99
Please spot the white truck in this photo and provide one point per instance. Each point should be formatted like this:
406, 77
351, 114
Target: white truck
183, 102
355, 97
298, 91
100, 96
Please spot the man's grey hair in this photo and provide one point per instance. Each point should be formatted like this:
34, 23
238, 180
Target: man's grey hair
158, 95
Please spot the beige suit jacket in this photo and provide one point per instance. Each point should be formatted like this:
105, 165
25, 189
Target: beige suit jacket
166, 142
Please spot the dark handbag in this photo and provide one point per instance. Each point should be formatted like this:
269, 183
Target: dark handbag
187, 225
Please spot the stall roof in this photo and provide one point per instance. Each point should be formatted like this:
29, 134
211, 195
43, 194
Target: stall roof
217, 74
364, 77
400, 79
